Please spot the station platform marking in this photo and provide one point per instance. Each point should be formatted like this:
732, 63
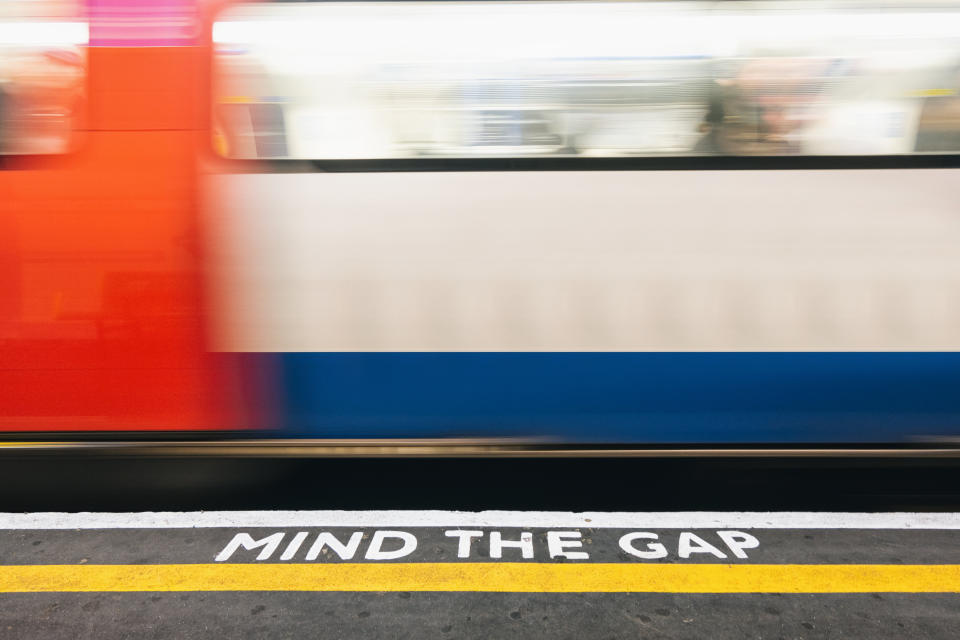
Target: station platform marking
530, 519
490, 551
486, 577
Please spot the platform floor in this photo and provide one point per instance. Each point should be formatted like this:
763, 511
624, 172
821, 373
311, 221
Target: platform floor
486, 574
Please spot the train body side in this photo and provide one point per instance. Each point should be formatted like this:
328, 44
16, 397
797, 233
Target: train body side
149, 285
635, 307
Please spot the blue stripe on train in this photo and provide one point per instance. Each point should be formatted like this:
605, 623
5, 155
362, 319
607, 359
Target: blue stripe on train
625, 397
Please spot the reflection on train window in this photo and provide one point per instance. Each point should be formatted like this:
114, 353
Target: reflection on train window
42, 68
514, 79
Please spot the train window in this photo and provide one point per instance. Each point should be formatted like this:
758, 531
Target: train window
378, 80
42, 71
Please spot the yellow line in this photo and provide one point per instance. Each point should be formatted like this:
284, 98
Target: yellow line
516, 577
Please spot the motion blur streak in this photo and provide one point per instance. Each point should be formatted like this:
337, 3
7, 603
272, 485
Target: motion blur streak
152, 23
100, 308
588, 261
584, 223
573, 79
43, 33
42, 69
543, 303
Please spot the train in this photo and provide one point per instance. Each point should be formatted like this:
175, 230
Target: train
552, 225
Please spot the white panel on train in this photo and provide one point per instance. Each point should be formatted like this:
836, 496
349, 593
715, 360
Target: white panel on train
587, 261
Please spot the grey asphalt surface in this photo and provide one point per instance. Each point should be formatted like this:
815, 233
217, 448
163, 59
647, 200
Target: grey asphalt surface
48, 484
195, 546
387, 616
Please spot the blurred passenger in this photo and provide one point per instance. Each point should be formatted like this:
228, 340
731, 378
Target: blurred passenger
712, 142
761, 110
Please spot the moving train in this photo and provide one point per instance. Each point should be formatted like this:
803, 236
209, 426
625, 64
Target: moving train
554, 225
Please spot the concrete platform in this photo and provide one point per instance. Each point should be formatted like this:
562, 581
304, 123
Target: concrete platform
415, 574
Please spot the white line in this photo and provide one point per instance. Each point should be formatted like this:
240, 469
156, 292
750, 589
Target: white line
521, 519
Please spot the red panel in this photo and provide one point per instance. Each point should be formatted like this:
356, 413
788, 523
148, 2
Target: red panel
122, 96
101, 323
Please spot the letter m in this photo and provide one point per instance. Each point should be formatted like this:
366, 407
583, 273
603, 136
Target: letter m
269, 544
